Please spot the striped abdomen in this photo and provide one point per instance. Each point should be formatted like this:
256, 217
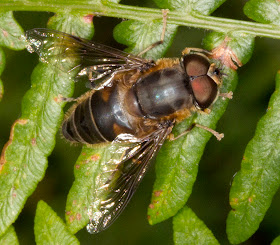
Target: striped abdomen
98, 118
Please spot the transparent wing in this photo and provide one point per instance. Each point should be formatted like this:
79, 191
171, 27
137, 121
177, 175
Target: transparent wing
68, 52
116, 191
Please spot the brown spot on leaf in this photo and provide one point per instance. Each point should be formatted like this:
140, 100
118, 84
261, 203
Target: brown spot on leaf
234, 201
5, 33
77, 166
157, 193
148, 217
151, 206
226, 55
94, 157
74, 202
68, 212
71, 218
33, 141
157, 214
83, 153
250, 199
78, 216
88, 18
59, 98
14, 194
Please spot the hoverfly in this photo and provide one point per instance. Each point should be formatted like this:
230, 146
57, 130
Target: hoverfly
133, 102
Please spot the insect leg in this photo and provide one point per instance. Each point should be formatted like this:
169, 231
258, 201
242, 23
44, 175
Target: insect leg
60, 98
68, 99
212, 131
197, 51
164, 20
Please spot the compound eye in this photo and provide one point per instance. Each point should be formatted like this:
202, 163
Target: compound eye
205, 91
195, 65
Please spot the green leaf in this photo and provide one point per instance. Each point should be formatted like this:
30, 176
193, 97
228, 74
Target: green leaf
93, 171
234, 48
264, 11
177, 161
9, 237
140, 35
2, 66
82, 24
189, 229
32, 139
81, 194
24, 157
11, 34
276, 241
49, 228
205, 7
258, 180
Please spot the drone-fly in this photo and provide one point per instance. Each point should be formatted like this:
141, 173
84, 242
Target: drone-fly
134, 102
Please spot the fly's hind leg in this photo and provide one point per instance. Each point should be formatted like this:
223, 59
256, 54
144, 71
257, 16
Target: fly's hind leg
164, 21
218, 136
210, 130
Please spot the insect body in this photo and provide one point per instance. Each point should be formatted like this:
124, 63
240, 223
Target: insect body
135, 102
138, 102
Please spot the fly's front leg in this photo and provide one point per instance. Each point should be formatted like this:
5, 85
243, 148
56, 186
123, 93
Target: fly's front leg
164, 21
212, 131
197, 51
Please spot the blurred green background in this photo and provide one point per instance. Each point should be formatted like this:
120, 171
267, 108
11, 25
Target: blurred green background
220, 161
